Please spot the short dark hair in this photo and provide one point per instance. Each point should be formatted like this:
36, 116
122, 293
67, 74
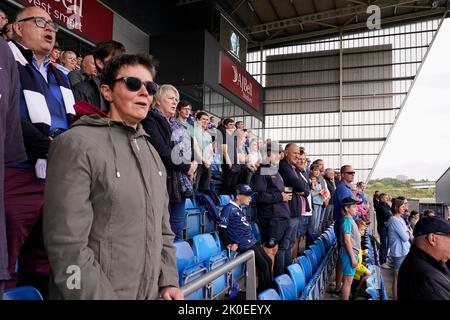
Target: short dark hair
200, 114
239, 122
396, 204
182, 104
227, 121
413, 213
112, 68
344, 167
427, 212
104, 49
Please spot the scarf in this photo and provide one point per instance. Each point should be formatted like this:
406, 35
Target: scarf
34, 97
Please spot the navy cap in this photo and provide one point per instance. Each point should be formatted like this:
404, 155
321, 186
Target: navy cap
349, 201
244, 189
428, 225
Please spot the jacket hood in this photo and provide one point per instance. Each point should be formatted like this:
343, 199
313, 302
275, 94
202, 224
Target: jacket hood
97, 120
82, 108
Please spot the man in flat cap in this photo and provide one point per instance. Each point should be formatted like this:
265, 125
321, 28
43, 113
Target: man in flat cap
424, 274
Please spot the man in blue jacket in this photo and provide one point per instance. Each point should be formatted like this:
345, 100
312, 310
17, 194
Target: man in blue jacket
273, 211
237, 235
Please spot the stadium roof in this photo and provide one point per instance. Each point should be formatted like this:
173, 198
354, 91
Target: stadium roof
278, 22
273, 23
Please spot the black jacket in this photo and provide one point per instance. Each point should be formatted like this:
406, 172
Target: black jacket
331, 187
269, 201
421, 277
298, 185
160, 134
89, 91
383, 214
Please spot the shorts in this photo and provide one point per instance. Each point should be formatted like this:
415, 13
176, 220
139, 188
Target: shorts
360, 271
346, 263
397, 262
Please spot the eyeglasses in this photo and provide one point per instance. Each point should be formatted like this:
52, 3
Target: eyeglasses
4, 18
42, 23
350, 172
134, 84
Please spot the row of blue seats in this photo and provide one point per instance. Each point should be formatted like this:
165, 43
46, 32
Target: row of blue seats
301, 273
375, 284
207, 254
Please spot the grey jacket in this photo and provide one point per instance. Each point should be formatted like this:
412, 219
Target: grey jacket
106, 214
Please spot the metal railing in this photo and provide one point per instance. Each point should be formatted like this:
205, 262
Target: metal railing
247, 257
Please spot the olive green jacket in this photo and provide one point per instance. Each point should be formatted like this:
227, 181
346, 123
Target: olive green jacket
106, 219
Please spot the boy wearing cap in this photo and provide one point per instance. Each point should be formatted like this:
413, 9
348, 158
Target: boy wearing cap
236, 234
424, 273
351, 244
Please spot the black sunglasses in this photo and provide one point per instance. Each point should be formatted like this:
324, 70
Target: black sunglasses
134, 84
350, 172
42, 23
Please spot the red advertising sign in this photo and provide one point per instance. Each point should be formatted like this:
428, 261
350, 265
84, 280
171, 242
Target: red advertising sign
88, 18
233, 77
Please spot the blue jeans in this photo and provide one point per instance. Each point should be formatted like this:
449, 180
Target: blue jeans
293, 230
384, 245
177, 218
315, 220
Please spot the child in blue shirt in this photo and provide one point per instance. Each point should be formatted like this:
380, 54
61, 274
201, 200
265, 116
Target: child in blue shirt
351, 244
236, 234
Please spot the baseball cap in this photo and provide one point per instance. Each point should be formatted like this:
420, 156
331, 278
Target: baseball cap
349, 201
244, 189
428, 225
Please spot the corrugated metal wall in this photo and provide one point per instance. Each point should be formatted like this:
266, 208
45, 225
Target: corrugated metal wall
302, 91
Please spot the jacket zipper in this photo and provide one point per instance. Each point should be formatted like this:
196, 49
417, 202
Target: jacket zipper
137, 146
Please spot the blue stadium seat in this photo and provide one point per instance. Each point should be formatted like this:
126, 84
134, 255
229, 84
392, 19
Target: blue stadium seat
269, 294
193, 213
373, 293
224, 200
255, 230
208, 223
286, 287
188, 269
327, 239
315, 248
239, 270
303, 261
312, 259
298, 277
322, 244
207, 252
22, 293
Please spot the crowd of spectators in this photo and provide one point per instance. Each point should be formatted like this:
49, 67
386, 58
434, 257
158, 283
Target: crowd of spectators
99, 161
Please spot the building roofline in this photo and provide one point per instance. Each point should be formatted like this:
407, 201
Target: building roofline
442, 175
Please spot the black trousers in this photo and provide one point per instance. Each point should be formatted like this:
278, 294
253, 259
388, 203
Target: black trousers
2, 284
264, 265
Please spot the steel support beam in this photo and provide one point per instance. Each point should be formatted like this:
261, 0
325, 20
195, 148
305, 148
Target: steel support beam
325, 15
350, 27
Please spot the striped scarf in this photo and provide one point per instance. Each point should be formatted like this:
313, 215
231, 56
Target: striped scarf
34, 97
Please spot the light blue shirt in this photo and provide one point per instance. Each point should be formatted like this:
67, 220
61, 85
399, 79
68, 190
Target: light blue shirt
398, 237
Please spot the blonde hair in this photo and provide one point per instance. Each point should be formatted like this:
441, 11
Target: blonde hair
164, 89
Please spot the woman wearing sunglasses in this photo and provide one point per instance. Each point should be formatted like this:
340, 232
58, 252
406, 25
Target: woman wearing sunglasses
173, 143
106, 226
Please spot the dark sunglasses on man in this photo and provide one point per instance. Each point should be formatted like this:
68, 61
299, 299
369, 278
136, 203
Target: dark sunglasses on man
42, 23
135, 84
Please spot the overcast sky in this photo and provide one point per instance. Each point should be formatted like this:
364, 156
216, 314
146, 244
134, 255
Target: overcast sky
419, 146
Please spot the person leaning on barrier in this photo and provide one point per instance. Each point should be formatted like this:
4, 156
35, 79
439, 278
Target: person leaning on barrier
106, 224
236, 234
424, 273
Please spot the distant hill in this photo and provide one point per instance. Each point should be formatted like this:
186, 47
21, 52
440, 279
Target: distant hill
395, 188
